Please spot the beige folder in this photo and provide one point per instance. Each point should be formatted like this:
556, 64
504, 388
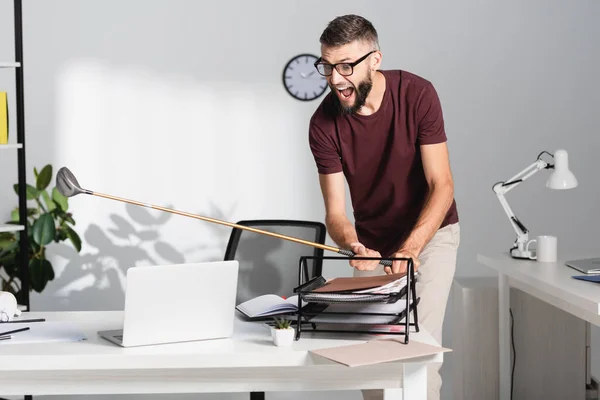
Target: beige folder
348, 284
378, 351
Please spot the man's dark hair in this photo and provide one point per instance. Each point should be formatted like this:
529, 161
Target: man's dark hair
348, 28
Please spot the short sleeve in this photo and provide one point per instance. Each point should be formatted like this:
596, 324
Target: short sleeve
324, 150
430, 119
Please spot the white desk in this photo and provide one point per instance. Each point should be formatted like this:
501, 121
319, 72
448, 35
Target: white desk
549, 282
248, 361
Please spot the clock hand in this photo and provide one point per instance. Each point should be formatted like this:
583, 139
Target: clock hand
305, 75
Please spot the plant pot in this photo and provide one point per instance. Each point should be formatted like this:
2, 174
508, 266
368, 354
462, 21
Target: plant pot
283, 337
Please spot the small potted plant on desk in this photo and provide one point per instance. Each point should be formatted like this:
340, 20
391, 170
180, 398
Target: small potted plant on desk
282, 332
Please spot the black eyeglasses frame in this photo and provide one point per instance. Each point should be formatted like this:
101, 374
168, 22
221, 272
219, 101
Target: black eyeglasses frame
352, 64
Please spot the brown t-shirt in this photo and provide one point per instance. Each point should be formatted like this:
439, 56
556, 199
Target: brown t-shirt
381, 158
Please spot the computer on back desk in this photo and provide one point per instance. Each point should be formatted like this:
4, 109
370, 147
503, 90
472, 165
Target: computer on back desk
177, 303
585, 265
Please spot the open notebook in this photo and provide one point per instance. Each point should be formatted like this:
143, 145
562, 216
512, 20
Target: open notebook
268, 305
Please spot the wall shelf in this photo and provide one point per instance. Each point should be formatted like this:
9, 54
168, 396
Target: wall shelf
11, 146
10, 228
9, 64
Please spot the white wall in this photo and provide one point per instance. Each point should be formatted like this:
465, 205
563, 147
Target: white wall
180, 103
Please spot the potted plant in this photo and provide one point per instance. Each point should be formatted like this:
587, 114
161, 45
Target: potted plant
48, 220
282, 332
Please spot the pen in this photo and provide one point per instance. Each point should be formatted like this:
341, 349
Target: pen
15, 331
16, 321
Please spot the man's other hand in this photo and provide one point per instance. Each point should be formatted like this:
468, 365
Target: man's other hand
361, 251
400, 266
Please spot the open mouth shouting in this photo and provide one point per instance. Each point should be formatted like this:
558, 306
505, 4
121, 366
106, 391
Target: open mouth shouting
345, 92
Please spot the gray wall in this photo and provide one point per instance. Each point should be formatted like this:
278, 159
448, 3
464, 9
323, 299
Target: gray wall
180, 103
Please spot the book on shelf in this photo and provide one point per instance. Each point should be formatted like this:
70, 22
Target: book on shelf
268, 305
3, 118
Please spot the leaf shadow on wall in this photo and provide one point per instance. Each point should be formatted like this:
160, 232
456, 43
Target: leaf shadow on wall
95, 278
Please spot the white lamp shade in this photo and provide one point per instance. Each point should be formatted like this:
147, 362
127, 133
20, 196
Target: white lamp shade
561, 177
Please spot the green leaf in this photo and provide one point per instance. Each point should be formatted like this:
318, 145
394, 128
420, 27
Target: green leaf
34, 248
61, 234
14, 215
43, 179
6, 235
35, 173
32, 193
43, 230
40, 271
61, 200
74, 237
7, 239
49, 203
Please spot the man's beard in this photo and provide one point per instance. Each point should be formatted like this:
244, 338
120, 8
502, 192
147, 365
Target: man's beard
361, 92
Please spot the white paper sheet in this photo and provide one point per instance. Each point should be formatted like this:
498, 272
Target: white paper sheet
43, 332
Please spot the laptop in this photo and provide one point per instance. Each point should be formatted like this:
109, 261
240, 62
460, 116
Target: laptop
586, 265
177, 303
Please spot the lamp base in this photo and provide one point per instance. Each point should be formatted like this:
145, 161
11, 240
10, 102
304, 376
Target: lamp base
522, 254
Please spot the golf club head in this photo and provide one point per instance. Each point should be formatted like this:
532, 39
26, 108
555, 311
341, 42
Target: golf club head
67, 184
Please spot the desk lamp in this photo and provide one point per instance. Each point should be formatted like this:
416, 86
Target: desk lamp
561, 178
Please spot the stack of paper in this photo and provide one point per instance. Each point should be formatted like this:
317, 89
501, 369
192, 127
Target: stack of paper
360, 313
392, 287
42, 332
366, 284
358, 289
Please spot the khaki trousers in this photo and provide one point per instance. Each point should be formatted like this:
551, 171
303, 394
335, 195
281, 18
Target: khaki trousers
434, 279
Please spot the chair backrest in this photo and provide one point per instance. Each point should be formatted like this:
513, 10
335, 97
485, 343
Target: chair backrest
270, 265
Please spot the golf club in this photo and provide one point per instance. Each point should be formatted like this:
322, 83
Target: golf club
68, 186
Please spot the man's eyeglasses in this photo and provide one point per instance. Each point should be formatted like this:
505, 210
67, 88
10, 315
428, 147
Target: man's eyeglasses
344, 69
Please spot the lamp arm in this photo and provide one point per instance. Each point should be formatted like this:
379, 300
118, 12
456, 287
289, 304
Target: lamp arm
520, 229
501, 188
528, 172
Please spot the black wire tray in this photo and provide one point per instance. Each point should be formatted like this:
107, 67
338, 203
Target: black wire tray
333, 309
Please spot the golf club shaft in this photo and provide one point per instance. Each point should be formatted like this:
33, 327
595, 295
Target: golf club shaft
217, 221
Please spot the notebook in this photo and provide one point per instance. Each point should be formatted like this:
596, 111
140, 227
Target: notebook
589, 278
268, 305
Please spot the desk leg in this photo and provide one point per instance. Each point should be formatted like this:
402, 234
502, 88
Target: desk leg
504, 337
588, 353
414, 385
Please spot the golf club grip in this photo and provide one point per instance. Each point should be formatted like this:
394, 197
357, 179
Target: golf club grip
350, 253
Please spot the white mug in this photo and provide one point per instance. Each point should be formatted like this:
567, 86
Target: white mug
546, 248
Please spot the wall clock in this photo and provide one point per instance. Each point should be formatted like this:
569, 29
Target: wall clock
301, 79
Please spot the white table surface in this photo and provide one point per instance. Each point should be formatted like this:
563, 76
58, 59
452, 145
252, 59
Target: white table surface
249, 361
550, 282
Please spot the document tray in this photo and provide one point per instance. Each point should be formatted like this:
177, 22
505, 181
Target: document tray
348, 311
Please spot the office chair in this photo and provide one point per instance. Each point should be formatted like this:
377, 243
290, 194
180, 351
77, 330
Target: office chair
269, 265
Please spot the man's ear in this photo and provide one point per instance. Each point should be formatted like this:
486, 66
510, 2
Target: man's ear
376, 60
